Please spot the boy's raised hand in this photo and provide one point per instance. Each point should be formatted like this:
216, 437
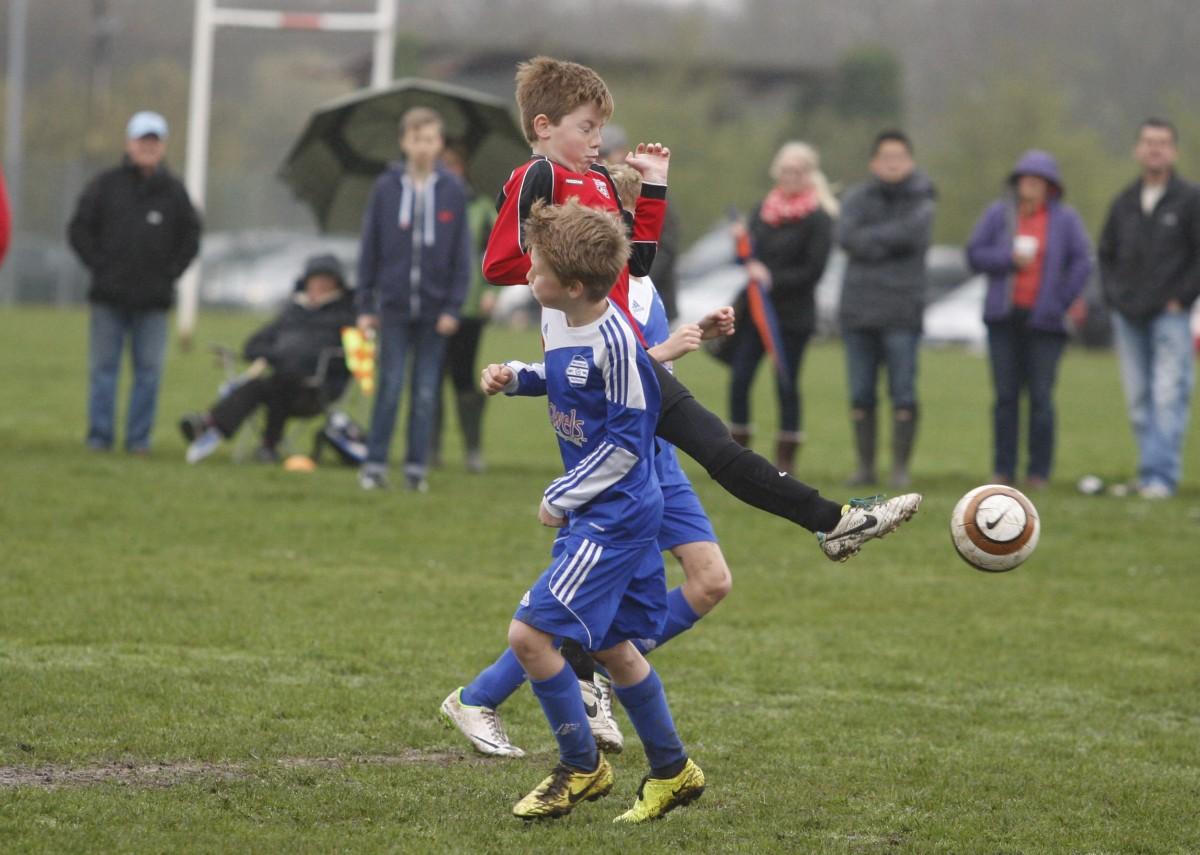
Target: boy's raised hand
717, 323
652, 160
495, 378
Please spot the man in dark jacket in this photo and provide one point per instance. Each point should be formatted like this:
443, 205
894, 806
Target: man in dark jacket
1150, 269
135, 229
885, 228
413, 270
300, 347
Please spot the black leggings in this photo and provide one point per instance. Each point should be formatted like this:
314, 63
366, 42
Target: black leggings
702, 436
284, 397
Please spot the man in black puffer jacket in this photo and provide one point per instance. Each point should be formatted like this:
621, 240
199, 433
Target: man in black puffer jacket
292, 346
135, 229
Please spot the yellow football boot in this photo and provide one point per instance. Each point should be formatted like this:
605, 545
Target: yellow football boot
566, 787
658, 796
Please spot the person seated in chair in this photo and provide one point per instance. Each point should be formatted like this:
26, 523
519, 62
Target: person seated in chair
296, 368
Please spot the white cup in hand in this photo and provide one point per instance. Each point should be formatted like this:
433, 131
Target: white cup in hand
1026, 246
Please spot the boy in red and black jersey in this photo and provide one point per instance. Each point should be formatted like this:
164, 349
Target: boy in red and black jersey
563, 108
507, 261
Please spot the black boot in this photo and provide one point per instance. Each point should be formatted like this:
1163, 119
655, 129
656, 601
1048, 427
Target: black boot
864, 446
470, 419
741, 434
904, 434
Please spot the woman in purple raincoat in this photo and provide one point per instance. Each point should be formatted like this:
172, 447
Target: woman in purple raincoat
1037, 258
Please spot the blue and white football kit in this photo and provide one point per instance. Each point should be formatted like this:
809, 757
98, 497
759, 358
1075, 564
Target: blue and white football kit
605, 583
684, 519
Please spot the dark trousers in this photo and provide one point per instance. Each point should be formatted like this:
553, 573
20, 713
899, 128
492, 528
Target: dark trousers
460, 354
283, 396
867, 351
459, 367
1023, 359
748, 352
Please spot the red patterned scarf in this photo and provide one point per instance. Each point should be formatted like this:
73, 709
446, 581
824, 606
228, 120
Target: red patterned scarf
780, 207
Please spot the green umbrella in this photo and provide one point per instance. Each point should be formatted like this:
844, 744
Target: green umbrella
348, 142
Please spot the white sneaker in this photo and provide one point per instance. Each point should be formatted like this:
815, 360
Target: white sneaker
597, 703
480, 725
372, 479
1154, 490
864, 519
204, 445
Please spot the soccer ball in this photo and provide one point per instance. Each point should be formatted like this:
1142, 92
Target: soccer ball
994, 528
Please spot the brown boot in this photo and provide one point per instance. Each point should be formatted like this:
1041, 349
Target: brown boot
741, 434
787, 443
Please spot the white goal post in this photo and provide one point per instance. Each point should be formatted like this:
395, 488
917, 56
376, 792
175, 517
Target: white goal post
210, 16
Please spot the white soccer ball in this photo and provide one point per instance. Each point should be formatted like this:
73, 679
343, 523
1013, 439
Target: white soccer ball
994, 528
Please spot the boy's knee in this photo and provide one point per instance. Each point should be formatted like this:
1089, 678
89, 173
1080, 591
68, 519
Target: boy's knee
618, 659
523, 639
707, 573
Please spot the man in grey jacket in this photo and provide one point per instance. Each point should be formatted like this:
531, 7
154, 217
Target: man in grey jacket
885, 228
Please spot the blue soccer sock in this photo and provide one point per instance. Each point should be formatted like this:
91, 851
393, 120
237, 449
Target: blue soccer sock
495, 683
646, 705
563, 706
680, 618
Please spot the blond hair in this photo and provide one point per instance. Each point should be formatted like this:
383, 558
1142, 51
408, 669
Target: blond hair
579, 244
416, 118
629, 184
802, 151
554, 87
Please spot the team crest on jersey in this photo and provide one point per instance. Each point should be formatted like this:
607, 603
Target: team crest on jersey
602, 186
567, 425
577, 371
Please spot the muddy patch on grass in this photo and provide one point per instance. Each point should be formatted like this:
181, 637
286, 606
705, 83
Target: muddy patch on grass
153, 775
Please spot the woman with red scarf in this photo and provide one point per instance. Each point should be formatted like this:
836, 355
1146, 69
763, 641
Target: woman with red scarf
791, 233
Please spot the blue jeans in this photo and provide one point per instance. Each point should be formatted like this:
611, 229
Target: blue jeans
1023, 359
396, 339
1158, 373
748, 353
147, 331
866, 351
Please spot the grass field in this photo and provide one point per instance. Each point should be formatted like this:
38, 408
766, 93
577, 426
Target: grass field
235, 658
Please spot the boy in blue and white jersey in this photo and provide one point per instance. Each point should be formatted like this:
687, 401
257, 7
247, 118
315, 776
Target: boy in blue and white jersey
605, 586
685, 531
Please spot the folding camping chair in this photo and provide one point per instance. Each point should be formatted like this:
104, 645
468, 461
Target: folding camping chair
338, 428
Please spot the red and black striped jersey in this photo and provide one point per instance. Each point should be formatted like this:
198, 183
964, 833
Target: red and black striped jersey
506, 260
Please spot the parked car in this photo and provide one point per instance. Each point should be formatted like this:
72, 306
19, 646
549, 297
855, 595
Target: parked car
710, 276
258, 269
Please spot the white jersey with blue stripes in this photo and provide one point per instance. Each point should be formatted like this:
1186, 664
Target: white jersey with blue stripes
603, 403
648, 311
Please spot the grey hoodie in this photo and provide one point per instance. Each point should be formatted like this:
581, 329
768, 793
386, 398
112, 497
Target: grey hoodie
885, 230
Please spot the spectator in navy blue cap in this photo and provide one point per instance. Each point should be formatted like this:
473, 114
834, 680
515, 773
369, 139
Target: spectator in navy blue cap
136, 231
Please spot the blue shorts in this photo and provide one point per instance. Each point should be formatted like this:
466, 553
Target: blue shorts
684, 519
598, 595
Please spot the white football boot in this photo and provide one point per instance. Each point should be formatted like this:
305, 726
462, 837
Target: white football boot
597, 703
480, 725
864, 519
